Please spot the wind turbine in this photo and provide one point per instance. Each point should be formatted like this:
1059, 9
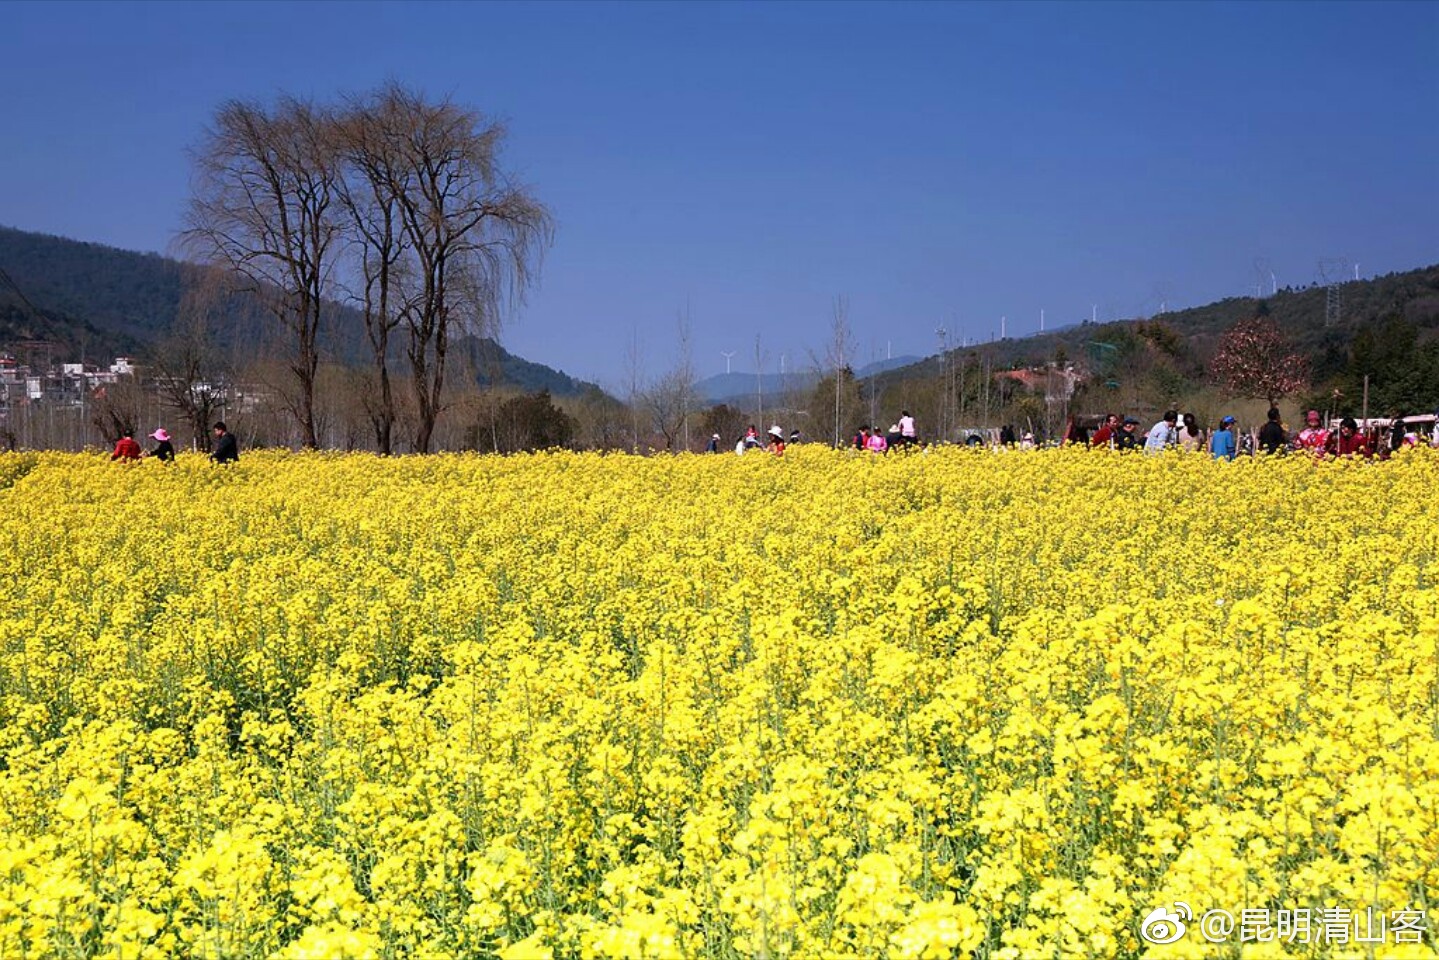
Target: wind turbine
1262, 268
727, 357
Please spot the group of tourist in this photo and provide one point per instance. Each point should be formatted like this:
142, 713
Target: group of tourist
1172, 431
900, 434
128, 450
1226, 443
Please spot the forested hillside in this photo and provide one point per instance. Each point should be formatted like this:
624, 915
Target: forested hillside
1387, 329
99, 301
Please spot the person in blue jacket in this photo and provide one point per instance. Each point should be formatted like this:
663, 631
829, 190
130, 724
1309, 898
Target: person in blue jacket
1222, 443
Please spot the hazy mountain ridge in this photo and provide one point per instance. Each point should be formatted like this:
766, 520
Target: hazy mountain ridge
735, 386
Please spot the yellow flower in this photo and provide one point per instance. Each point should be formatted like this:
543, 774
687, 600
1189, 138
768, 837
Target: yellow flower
583, 705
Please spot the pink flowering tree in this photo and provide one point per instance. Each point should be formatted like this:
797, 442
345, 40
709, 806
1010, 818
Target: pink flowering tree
1254, 360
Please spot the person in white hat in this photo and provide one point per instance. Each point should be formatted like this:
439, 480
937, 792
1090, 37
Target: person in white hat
776, 440
164, 450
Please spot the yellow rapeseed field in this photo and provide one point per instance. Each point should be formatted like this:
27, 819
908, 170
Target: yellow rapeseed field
831, 704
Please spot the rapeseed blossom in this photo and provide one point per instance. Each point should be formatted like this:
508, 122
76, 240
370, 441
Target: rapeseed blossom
939, 705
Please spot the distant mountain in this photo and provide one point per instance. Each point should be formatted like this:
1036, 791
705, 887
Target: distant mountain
738, 388
1300, 313
100, 302
118, 296
884, 366
515, 371
741, 387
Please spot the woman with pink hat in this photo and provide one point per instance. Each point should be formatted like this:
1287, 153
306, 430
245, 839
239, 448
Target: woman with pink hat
163, 450
1313, 437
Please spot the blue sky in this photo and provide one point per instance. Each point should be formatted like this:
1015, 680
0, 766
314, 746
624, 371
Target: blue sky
935, 163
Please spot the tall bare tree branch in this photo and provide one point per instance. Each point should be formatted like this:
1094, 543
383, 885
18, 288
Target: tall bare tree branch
374, 178
263, 207
474, 236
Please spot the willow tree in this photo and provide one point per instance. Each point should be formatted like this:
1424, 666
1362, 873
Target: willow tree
396, 200
367, 137
264, 209
473, 237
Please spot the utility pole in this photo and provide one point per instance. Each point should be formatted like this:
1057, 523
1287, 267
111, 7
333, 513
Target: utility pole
963, 362
1334, 271
687, 374
944, 361
839, 347
988, 378
783, 382
872, 373
759, 379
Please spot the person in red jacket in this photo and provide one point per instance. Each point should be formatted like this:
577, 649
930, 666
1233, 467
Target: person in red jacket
126, 448
1350, 442
1107, 433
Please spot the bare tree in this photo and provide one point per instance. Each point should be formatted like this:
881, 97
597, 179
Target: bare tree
344, 412
188, 367
483, 365
267, 180
375, 177
634, 385
116, 409
667, 405
725, 420
684, 375
599, 420
839, 358
474, 236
